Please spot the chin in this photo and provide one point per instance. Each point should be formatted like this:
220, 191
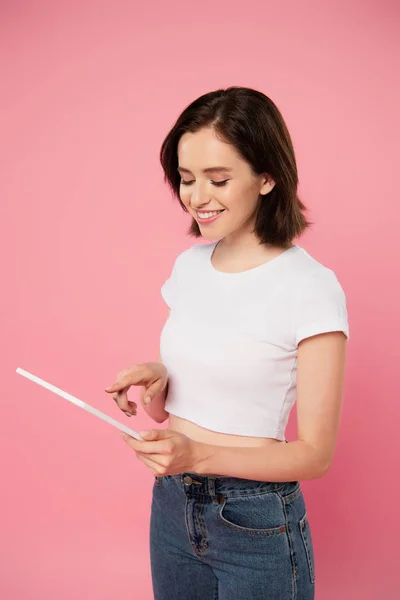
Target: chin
212, 236
204, 231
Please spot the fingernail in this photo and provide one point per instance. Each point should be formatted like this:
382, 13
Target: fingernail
143, 433
147, 400
108, 388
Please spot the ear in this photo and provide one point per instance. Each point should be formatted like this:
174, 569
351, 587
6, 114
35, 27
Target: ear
267, 185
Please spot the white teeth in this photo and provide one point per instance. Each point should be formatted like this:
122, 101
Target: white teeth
209, 214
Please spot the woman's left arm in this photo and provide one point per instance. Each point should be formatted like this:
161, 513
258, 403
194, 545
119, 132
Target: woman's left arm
320, 378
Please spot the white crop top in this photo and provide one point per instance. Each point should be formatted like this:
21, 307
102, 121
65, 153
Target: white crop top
230, 342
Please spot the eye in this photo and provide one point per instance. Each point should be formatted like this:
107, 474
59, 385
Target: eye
220, 183
216, 183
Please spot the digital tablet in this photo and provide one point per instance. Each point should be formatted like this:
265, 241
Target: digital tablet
77, 402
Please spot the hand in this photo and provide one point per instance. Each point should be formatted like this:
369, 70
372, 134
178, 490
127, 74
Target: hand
165, 452
153, 378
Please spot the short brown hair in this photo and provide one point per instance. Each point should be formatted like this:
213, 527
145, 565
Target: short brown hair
252, 123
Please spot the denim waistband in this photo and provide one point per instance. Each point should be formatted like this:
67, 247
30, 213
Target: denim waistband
213, 485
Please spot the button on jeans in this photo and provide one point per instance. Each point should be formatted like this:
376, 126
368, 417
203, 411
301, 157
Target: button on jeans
226, 538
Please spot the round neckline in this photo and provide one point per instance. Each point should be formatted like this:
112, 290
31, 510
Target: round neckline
263, 266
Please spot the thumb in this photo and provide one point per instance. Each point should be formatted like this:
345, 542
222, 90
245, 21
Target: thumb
154, 435
150, 393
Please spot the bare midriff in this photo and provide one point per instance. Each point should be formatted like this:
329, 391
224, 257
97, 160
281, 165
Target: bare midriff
206, 436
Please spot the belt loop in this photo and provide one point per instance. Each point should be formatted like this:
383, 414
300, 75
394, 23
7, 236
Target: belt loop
211, 487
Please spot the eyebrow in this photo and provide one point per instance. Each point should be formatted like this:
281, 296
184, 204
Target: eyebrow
208, 170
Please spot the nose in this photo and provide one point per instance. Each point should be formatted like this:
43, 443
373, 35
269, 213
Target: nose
199, 196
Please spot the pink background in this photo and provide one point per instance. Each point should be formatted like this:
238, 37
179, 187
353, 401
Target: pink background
89, 233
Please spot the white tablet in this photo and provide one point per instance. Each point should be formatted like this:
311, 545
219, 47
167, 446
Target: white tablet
93, 411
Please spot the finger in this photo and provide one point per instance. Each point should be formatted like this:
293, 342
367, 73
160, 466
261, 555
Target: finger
122, 400
154, 467
130, 413
143, 395
153, 390
128, 407
157, 434
132, 410
132, 377
132, 442
155, 448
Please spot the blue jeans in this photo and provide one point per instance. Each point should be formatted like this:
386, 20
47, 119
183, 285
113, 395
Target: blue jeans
225, 538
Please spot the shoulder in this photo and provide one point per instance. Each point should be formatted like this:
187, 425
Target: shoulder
185, 267
318, 299
195, 253
313, 277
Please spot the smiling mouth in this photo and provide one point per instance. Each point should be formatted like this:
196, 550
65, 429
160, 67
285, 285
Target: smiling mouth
209, 214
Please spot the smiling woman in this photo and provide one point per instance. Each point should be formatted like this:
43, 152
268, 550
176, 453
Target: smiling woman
239, 137
256, 325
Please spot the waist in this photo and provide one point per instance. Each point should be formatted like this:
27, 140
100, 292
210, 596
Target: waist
206, 436
219, 485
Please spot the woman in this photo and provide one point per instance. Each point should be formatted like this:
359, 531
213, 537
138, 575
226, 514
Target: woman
255, 324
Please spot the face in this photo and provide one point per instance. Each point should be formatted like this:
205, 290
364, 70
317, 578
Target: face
218, 187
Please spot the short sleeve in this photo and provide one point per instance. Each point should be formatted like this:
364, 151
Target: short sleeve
169, 287
320, 306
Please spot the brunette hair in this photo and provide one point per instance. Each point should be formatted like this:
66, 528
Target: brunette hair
251, 122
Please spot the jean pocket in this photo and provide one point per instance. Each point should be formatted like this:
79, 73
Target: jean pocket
290, 491
157, 481
308, 545
260, 514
